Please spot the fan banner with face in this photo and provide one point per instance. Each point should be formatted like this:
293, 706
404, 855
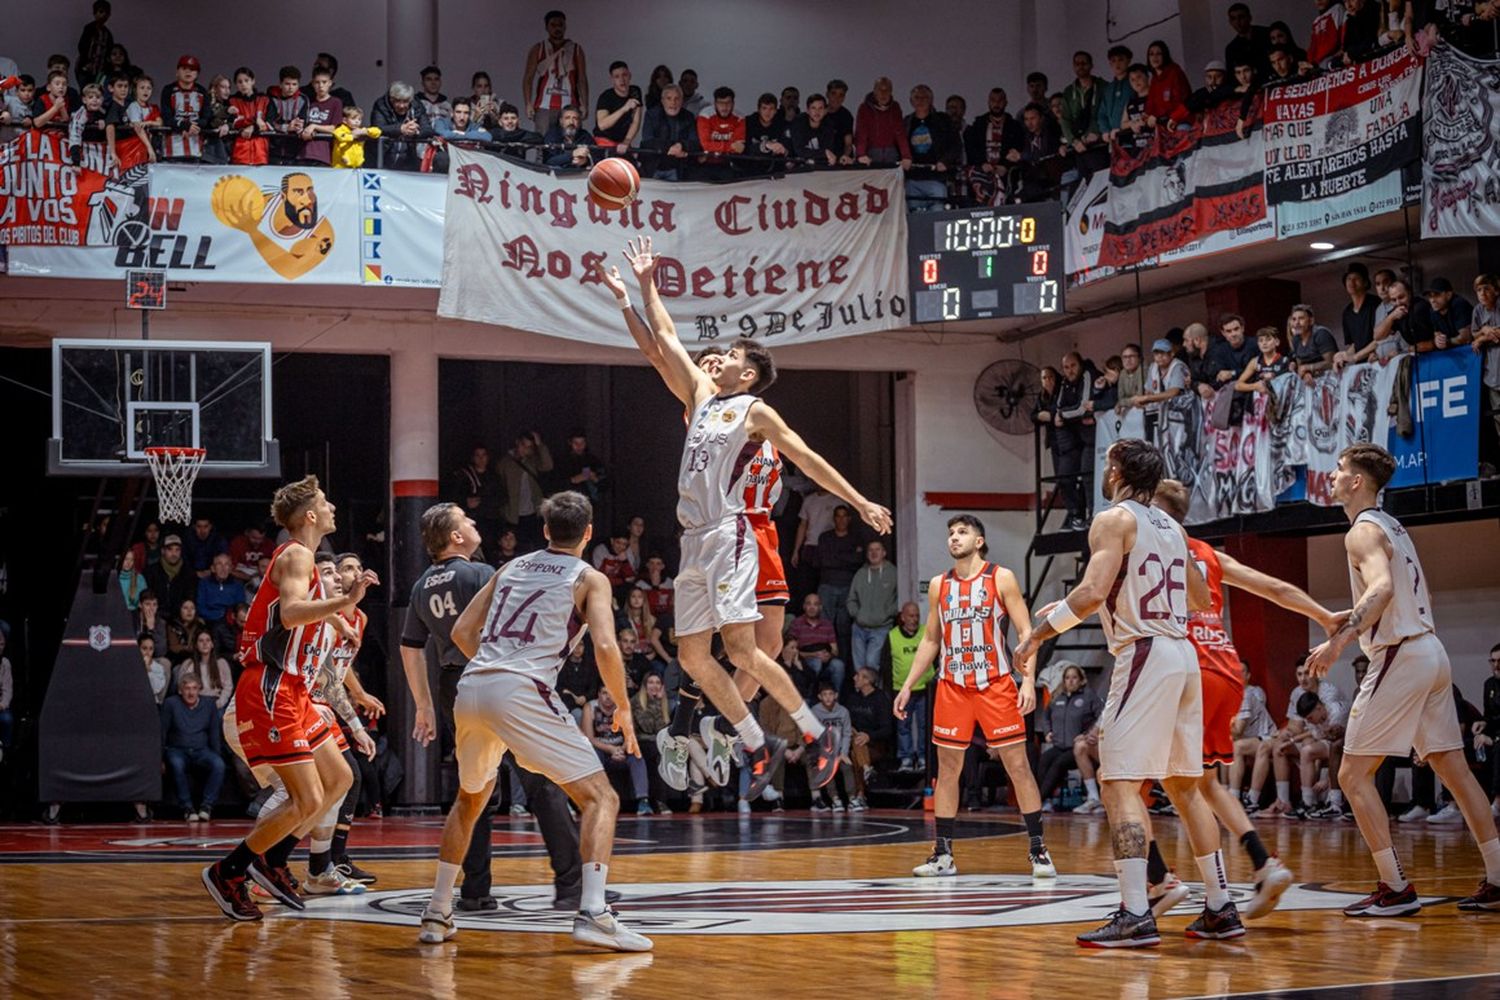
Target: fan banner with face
785, 260
1336, 144
241, 224
1460, 155
1301, 427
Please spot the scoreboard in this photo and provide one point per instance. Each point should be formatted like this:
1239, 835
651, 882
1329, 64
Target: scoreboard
986, 263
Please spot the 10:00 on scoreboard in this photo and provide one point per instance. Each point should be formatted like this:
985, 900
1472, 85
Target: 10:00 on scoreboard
986, 263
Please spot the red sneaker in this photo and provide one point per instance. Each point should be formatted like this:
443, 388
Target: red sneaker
278, 882
1486, 898
232, 894
1386, 902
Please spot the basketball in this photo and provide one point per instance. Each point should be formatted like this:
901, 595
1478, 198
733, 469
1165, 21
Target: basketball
614, 183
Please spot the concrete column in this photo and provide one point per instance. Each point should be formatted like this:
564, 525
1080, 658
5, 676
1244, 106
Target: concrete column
414, 487
411, 38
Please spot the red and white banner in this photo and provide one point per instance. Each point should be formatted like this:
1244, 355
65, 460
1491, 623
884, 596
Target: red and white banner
806, 257
47, 201
1182, 187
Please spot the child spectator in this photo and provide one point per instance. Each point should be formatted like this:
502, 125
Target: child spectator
835, 717
349, 139
287, 116
20, 102
86, 145
143, 114
250, 146
53, 109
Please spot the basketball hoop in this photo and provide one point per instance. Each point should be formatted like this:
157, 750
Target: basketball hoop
175, 470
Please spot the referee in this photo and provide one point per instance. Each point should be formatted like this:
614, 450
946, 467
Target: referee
438, 597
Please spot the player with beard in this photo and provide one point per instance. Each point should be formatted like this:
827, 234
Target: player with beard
1405, 701
716, 586
1142, 581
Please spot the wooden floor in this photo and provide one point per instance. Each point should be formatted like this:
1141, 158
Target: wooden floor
73, 926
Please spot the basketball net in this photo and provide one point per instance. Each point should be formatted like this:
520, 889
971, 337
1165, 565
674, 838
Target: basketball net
175, 470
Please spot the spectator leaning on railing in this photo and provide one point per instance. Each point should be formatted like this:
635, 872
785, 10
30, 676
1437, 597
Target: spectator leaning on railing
1452, 315
401, 120
1486, 326
568, 143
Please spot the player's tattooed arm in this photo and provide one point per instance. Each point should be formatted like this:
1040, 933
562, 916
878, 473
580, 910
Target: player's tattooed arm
329, 689
1369, 557
1129, 841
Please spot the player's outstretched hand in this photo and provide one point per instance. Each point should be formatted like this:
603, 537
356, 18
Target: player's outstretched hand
625, 726
1320, 659
373, 706
610, 278
899, 705
425, 729
363, 582
642, 260
365, 744
876, 516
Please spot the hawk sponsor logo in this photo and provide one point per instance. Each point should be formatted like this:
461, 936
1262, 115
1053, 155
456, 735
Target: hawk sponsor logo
801, 907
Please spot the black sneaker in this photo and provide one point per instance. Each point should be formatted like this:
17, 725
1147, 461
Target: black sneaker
231, 894
1386, 902
1486, 898
825, 751
470, 904
354, 872
279, 883
763, 765
1124, 930
1217, 925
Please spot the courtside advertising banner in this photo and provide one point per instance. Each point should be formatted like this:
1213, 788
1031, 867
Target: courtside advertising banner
1335, 145
401, 228
273, 225
806, 257
47, 201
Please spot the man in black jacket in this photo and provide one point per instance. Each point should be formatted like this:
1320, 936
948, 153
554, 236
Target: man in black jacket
402, 119
1072, 425
671, 135
815, 138
568, 143
935, 152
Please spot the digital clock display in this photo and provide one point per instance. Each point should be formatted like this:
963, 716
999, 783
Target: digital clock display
985, 263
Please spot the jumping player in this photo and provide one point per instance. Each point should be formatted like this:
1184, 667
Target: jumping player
282, 643
716, 584
967, 611
516, 633
1142, 582
438, 596
1406, 698
1224, 686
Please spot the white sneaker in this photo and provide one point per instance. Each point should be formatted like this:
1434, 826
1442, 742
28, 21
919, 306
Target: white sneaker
744, 807
1166, 894
837, 805
720, 750
770, 795
674, 759
518, 810
1446, 815
858, 804
331, 883
936, 866
1271, 880
1042, 866
1413, 815
436, 927
604, 930
1089, 805
1048, 806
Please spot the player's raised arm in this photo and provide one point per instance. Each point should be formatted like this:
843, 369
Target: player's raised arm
764, 423
1366, 546
639, 332
686, 380
466, 630
1278, 592
1110, 537
598, 612
927, 649
291, 573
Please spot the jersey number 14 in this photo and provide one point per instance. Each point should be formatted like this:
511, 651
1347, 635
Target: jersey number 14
522, 635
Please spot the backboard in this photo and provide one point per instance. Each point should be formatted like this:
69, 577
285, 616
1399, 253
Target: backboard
111, 399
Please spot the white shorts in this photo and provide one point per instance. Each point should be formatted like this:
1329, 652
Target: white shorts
715, 584
264, 773
1152, 727
1405, 702
497, 710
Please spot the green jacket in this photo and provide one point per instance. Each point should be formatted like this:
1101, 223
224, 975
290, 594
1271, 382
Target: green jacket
872, 597
1080, 109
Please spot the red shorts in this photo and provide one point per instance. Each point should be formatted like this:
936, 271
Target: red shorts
770, 585
1222, 696
956, 709
276, 717
331, 720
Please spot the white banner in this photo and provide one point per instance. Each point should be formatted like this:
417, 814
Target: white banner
808, 257
1460, 145
1110, 427
247, 224
401, 228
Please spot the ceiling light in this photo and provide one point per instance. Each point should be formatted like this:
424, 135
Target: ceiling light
1321, 245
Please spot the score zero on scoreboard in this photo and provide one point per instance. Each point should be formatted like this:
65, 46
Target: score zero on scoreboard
985, 263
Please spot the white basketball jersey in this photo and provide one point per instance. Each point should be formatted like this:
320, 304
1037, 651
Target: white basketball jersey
1149, 596
1409, 612
533, 622
715, 456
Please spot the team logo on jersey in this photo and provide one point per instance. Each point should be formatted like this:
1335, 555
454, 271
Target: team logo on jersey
99, 637
800, 907
728, 416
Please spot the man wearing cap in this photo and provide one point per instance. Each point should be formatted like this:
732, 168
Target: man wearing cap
1168, 376
172, 580
184, 110
1452, 314
1359, 315
1214, 89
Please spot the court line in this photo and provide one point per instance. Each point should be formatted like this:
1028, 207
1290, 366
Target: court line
206, 918
1342, 986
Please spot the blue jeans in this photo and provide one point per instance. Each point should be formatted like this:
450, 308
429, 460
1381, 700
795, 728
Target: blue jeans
926, 194
836, 609
865, 645
179, 761
911, 732
832, 672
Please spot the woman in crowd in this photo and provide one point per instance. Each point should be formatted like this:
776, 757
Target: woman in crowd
1071, 714
182, 632
661, 77
1169, 84
210, 669
132, 583
652, 714
1281, 35
636, 616
1260, 371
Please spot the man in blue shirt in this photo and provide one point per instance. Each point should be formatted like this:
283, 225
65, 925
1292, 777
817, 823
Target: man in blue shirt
191, 741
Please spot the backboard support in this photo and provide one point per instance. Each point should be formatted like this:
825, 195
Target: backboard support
111, 399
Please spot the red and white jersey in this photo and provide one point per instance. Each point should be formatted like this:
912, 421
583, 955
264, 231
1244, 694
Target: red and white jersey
1409, 613
266, 642
181, 107
714, 459
345, 650
1149, 596
973, 623
555, 79
762, 481
1206, 628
